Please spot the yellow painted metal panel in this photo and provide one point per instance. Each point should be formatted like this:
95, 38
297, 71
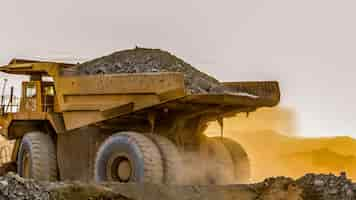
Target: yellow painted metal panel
143, 83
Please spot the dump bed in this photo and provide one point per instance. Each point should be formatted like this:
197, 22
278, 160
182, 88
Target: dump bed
90, 99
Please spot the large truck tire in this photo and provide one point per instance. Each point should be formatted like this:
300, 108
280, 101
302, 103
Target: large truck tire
37, 158
240, 158
129, 157
217, 163
172, 161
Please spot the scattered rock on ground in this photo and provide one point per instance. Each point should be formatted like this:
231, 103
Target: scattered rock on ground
308, 187
279, 188
13, 186
327, 186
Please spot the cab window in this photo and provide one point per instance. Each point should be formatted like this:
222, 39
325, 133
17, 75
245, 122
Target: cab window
31, 91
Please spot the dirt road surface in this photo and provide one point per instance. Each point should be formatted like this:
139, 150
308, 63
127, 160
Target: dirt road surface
309, 187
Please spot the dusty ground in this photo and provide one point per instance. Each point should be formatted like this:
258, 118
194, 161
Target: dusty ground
309, 187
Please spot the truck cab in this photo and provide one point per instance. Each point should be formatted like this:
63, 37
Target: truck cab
37, 96
37, 102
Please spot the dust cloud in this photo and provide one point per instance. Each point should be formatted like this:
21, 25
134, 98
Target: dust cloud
270, 138
201, 169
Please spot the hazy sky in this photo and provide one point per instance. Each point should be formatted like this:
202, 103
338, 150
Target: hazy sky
308, 45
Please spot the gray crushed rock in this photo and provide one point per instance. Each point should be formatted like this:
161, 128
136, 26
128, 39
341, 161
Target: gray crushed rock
142, 60
309, 187
327, 186
14, 187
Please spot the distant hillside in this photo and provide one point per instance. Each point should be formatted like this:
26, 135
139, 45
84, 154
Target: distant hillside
321, 160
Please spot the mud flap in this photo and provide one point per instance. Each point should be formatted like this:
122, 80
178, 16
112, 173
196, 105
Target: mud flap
76, 153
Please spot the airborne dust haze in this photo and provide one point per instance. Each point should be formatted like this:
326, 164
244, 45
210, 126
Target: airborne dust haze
271, 141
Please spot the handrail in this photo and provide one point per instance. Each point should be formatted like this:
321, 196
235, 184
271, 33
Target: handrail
11, 105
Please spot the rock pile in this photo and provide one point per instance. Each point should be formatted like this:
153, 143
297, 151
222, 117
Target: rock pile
308, 187
14, 187
327, 187
279, 188
141, 60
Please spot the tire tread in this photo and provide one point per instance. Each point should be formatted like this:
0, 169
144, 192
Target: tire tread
43, 156
171, 158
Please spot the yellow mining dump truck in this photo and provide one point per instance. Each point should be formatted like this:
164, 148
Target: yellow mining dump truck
141, 127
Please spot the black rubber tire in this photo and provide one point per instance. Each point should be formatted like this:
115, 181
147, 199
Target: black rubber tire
240, 158
143, 153
42, 156
172, 161
218, 165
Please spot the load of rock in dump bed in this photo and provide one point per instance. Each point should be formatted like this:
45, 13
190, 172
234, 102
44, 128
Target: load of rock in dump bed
141, 60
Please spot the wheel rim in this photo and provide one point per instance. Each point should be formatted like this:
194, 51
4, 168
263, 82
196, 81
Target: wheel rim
124, 170
119, 169
26, 166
